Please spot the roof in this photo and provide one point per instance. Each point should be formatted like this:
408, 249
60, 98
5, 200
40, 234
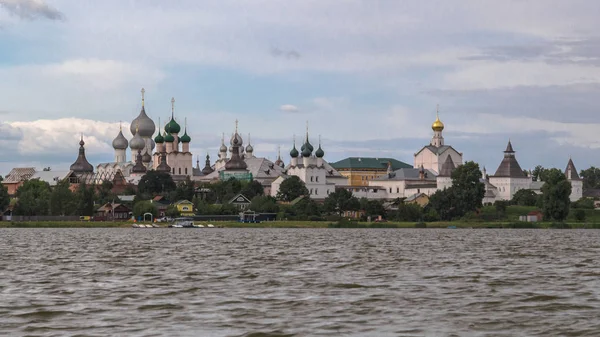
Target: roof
187, 202
415, 197
447, 167
261, 169
591, 192
109, 206
239, 199
509, 167
571, 171
19, 174
369, 163
438, 149
407, 174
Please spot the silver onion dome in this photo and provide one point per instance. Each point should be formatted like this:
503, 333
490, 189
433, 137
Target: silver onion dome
120, 142
143, 122
137, 143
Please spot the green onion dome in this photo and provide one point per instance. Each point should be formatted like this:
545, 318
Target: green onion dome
294, 153
320, 153
185, 138
172, 126
169, 138
159, 139
306, 152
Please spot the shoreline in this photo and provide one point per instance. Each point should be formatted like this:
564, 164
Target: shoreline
314, 224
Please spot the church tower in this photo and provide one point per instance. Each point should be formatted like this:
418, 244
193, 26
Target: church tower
120, 145
437, 140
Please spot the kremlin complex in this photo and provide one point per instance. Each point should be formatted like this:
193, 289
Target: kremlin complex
166, 148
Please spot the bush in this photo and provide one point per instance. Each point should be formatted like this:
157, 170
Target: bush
346, 223
420, 225
579, 215
521, 224
560, 225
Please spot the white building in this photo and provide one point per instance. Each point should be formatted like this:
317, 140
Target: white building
319, 177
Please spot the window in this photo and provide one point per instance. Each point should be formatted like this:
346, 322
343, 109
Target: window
390, 190
311, 179
397, 189
186, 170
180, 170
173, 170
317, 178
316, 191
311, 191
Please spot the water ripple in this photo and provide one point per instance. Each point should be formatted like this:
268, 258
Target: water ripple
299, 282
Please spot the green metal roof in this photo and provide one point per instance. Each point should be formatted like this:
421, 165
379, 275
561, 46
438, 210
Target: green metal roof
369, 163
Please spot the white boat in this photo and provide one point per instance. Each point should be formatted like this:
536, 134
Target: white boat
210, 226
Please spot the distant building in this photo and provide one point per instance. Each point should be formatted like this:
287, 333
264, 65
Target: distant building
360, 170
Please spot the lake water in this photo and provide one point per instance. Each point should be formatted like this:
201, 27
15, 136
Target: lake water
299, 282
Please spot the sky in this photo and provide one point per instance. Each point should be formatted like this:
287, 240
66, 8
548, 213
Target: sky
365, 75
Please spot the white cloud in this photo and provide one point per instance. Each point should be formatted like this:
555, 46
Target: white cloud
289, 108
31, 9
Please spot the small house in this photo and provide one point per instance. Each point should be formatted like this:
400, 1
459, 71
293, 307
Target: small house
111, 211
185, 208
240, 202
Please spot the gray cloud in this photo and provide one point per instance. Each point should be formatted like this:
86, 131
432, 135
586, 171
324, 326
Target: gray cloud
566, 104
287, 54
31, 9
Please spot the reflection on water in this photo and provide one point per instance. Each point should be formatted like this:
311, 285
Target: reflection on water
297, 282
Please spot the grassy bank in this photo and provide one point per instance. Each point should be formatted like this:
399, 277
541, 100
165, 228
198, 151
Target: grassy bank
311, 224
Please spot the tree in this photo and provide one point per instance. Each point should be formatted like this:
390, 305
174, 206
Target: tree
185, 190
524, 197
407, 212
441, 203
539, 173
85, 197
253, 189
465, 195
105, 193
500, 206
154, 183
467, 189
556, 192
264, 204
341, 200
144, 207
372, 207
291, 188
4, 197
62, 200
591, 177
33, 198
172, 211
584, 203
580, 215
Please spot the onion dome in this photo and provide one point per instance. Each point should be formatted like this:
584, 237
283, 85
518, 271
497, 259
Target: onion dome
120, 142
81, 164
137, 143
207, 169
146, 158
163, 166
159, 139
172, 126
169, 138
144, 124
185, 138
437, 125
320, 153
294, 153
236, 136
249, 148
223, 148
306, 152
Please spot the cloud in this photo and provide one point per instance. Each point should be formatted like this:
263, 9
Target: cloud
31, 9
288, 54
289, 108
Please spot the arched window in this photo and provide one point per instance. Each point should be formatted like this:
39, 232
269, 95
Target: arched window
317, 178
311, 179
186, 170
173, 170
180, 170
390, 190
316, 191
397, 189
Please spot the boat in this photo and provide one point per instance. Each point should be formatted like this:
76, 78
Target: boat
451, 227
184, 222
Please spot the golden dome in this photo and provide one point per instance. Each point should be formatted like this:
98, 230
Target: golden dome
437, 125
